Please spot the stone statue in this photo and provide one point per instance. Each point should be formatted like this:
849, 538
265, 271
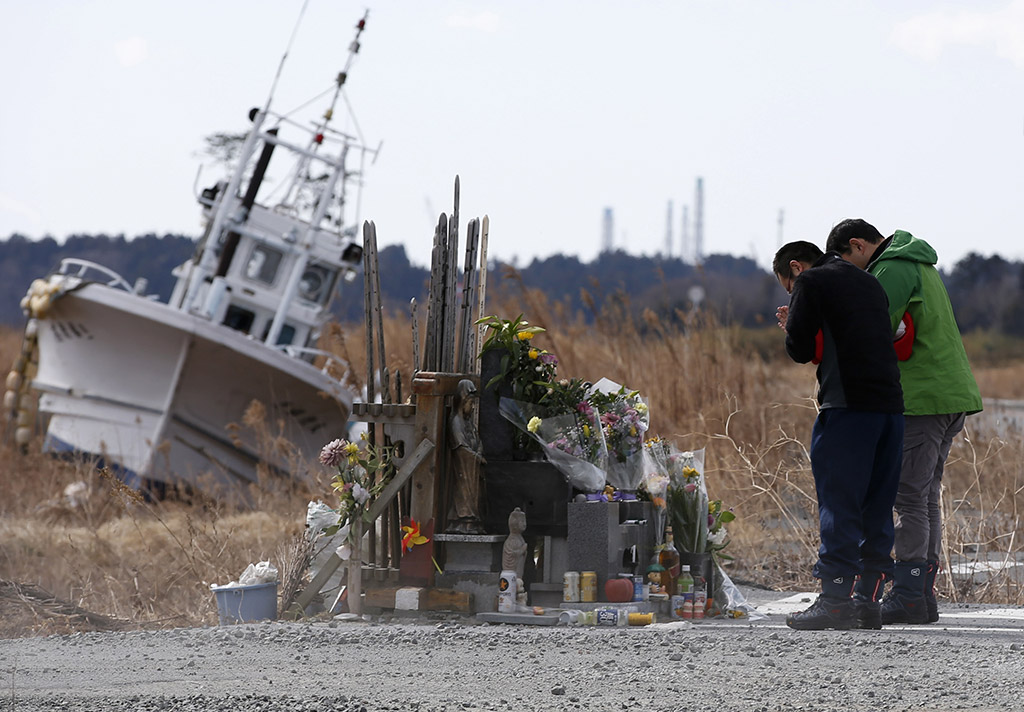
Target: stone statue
464, 442
513, 553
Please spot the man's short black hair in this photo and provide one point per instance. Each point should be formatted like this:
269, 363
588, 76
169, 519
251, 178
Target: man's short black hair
839, 237
801, 251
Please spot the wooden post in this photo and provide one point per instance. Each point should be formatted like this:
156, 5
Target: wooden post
355, 568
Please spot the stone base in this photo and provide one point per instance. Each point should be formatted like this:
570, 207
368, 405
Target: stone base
482, 588
548, 595
471, 553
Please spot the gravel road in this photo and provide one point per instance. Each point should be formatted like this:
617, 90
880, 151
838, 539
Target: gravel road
972, 659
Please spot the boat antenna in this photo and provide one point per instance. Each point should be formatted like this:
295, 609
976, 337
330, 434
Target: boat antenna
280, 66
353, 50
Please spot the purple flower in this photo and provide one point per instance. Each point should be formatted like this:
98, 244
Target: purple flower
549, 359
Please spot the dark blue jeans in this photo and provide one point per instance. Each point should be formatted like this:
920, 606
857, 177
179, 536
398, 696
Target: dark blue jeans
855, 458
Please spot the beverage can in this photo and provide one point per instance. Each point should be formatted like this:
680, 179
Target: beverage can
588, 586
638, 588
678, 607
507, 592
571, 586
641, 618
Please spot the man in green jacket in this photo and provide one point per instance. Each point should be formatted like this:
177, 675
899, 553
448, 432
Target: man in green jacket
938, 392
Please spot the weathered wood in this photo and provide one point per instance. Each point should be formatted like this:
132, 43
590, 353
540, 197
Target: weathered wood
466, 302
418, 455
450, 279
415, 319
482, 294
368, 314
426, 598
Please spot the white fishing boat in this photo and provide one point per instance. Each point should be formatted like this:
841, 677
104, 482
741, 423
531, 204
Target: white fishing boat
156, 391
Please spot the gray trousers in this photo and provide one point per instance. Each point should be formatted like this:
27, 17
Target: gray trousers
926, 443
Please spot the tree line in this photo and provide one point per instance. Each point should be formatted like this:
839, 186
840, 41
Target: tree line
987, 292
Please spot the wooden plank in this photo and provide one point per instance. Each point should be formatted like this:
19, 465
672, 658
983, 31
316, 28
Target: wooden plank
368, 313
401, 477
446, 599
481, 296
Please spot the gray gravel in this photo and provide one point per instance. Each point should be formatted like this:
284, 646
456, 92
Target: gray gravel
972, 659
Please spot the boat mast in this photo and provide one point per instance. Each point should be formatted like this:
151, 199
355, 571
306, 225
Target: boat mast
304, 248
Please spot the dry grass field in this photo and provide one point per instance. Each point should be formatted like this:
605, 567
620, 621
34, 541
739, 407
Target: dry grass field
111, 560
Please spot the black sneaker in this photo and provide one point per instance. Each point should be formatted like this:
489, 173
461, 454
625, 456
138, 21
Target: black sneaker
866, 614
824, 614
900, 609
932, 606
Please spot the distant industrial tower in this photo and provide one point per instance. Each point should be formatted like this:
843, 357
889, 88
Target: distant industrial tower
607, 240
781, 216
684, 237
668, 232
698, 223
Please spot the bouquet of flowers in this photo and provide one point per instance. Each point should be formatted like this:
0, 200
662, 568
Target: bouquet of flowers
698, 524
624, 420
363, 472
527, 369
655, 482
572, 440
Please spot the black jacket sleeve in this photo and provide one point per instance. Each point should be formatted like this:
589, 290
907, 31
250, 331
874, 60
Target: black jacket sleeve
804, 321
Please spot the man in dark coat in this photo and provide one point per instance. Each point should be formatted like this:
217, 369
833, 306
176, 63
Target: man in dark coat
838, 317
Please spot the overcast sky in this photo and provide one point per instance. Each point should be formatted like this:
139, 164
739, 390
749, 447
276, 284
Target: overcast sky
909, 114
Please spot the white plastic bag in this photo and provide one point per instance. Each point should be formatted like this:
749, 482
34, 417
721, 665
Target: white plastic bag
263, 572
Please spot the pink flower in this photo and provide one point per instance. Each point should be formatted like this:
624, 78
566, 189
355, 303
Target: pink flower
333, 453
690, 487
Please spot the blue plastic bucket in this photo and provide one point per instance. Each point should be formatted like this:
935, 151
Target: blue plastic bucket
242, 604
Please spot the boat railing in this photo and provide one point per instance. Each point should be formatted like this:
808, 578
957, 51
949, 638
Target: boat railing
74, 267
310, 355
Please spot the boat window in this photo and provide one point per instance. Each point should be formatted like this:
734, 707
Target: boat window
239, 319
263, 264
316, 284
285, 337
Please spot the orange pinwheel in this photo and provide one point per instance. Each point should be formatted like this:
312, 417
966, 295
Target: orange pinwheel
412, 536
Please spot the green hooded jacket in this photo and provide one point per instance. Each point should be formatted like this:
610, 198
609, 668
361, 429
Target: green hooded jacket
936, 379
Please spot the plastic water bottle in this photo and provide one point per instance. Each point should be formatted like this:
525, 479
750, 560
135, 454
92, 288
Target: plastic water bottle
700, 597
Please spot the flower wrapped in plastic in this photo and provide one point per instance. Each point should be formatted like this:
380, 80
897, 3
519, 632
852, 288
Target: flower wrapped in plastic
572, 441
625, 418
655, 482
688, 500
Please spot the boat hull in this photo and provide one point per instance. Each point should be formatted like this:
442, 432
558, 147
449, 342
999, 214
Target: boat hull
166, 397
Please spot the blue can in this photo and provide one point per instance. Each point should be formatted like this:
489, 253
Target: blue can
638, 588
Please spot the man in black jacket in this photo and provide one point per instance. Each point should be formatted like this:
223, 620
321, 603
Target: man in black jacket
838, 317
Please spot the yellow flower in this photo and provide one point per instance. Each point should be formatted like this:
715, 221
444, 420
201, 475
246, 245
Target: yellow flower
586, 430
689, 472
524, 335
353, 460
534, 424
351, 449
641, 408
632, 430
533, 353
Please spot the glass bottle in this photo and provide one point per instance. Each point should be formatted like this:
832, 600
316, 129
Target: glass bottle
669, 558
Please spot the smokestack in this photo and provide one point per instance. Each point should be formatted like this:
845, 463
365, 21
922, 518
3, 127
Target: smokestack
607, 231
684, 237
698, 223
668, 231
